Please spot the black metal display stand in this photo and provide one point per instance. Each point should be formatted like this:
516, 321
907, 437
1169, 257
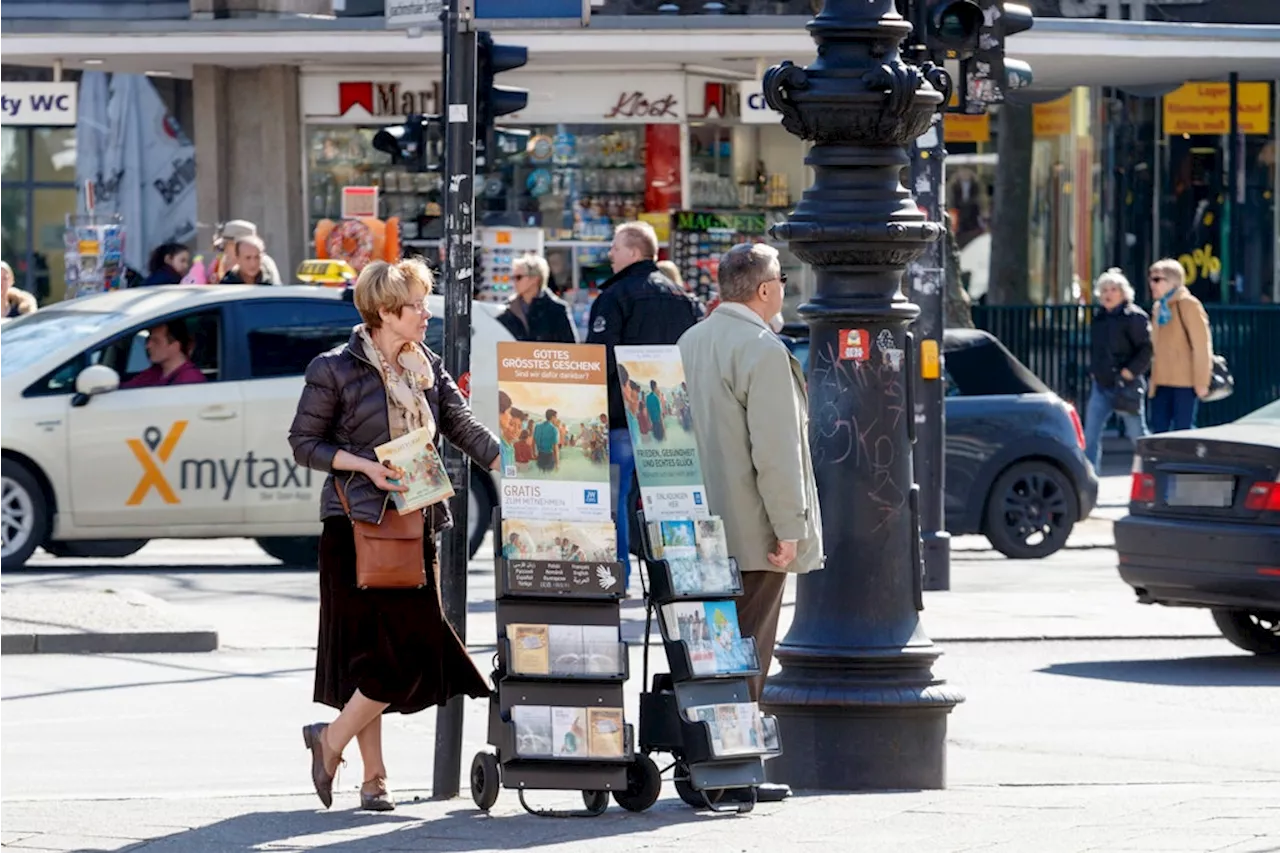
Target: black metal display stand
558, 594
702, 778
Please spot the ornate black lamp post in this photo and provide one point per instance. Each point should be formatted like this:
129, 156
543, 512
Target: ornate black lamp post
857, 700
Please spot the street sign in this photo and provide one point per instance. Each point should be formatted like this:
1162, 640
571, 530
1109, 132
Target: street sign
524, 15
404, 14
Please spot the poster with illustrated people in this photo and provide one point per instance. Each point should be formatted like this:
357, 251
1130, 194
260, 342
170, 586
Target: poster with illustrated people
423, 471
660, 420
553, 418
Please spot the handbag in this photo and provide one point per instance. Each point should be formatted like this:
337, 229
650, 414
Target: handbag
389, 555
1221, 383
1127, 396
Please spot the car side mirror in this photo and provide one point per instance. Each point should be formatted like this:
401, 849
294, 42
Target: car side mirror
94, 380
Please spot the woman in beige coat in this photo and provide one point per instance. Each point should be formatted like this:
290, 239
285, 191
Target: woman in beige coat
1183, 362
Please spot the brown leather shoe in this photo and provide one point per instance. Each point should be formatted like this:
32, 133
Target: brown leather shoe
313, 737
374, 796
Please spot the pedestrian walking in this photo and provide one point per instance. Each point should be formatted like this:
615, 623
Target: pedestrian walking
534, 313
1182, 364
14, 302
380, 650
249, 253
637, 305
1120, 355
169, 263
750, 410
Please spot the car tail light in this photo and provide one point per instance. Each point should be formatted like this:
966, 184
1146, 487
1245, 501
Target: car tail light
1143, 488
1075, 422
1263, 497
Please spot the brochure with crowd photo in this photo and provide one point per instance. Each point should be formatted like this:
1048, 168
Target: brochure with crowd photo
559, 541
553, 419
423, 471
606, 735
710, 631
660, 420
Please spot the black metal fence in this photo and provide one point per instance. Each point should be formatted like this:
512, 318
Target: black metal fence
1053, 340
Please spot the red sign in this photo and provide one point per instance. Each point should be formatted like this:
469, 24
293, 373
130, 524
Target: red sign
359, 202
855, 345
387, 99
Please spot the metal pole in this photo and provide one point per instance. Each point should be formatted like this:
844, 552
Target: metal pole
1229, 209
857, 700
460, 169
928, 289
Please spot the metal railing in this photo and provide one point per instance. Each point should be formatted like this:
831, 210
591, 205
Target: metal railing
1053, 340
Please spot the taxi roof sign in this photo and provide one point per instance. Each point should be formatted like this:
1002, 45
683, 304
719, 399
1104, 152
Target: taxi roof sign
320, 271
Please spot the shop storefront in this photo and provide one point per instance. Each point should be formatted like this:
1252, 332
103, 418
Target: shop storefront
589, 151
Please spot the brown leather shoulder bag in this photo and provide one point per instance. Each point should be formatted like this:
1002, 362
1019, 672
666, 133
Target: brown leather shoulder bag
388, 555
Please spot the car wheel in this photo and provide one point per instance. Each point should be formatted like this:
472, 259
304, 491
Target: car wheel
96, 549
1253, 631
300, 551
479, 512
25, 517
1031, 510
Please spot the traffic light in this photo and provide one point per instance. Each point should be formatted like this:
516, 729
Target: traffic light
952, 27
493, 102
988, 74
415, 144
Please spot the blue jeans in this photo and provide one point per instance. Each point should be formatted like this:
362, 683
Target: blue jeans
1098, 411
621, 454
1173, 408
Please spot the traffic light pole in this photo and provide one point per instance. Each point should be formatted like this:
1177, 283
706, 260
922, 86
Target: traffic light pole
926, 278
459, 189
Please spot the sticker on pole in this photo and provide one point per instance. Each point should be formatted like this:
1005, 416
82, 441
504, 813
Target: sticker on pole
855, 345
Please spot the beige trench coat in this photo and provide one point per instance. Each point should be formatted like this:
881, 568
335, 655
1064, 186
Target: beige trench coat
751, 416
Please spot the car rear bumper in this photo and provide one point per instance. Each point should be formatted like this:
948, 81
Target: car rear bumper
1200, 564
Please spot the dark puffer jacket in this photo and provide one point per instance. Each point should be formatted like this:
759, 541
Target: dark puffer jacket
1120, 339
544, 320
344, 407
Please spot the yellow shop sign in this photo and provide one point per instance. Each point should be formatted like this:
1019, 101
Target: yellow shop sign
1205, 108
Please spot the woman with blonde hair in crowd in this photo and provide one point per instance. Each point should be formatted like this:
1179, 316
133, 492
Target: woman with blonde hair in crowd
13, 302
1182, 366
380, 650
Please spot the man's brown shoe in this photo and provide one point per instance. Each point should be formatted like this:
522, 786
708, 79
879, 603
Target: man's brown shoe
313, 737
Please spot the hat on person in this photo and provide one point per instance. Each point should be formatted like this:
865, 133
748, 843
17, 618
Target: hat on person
237, 229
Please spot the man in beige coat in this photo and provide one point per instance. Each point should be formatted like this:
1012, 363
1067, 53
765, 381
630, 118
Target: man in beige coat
750, 416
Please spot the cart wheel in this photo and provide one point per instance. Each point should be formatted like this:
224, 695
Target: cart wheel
644, 783
595, 801
692, 797
484, 780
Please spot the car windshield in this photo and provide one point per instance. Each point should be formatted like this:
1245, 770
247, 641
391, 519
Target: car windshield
27, 340
1269, 413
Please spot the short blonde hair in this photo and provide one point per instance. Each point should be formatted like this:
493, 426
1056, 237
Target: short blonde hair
671, 271
1114, 277
639, 236
534, 265
390, 287
1172, 270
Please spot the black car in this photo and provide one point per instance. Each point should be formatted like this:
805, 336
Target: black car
1203, 528
1015, 465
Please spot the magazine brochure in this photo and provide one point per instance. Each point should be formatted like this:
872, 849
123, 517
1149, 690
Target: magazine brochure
713, 555
424, 473
553, 418
660, 420
545, 731
696, 556
565, 649
605, 732
735, 728
559, 541
710, 631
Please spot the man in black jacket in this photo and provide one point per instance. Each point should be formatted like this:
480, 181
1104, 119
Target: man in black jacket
1120, 355
535, 314
637, 306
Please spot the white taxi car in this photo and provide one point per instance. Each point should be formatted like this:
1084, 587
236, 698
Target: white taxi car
94, 469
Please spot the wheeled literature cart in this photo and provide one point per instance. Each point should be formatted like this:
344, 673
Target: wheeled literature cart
556, 716
701, 711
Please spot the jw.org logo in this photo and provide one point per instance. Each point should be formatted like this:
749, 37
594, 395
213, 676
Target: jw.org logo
154, 450
591, 497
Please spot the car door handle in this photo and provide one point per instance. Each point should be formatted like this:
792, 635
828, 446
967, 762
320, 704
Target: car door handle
217, 413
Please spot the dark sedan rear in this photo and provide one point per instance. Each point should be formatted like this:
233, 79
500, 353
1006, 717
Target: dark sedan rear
1203, 528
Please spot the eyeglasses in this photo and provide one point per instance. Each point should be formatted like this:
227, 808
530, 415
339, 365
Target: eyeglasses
520, 277
1157, 278
782, 277
418, 307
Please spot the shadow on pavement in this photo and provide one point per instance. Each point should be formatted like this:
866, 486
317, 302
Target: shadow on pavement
1241, 670
460, 831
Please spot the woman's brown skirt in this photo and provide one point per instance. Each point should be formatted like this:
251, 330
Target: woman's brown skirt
393, 645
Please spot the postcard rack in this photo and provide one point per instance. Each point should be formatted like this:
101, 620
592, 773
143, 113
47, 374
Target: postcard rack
706, 769
558, 684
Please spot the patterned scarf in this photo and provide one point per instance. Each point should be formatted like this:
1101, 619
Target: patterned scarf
407, 408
